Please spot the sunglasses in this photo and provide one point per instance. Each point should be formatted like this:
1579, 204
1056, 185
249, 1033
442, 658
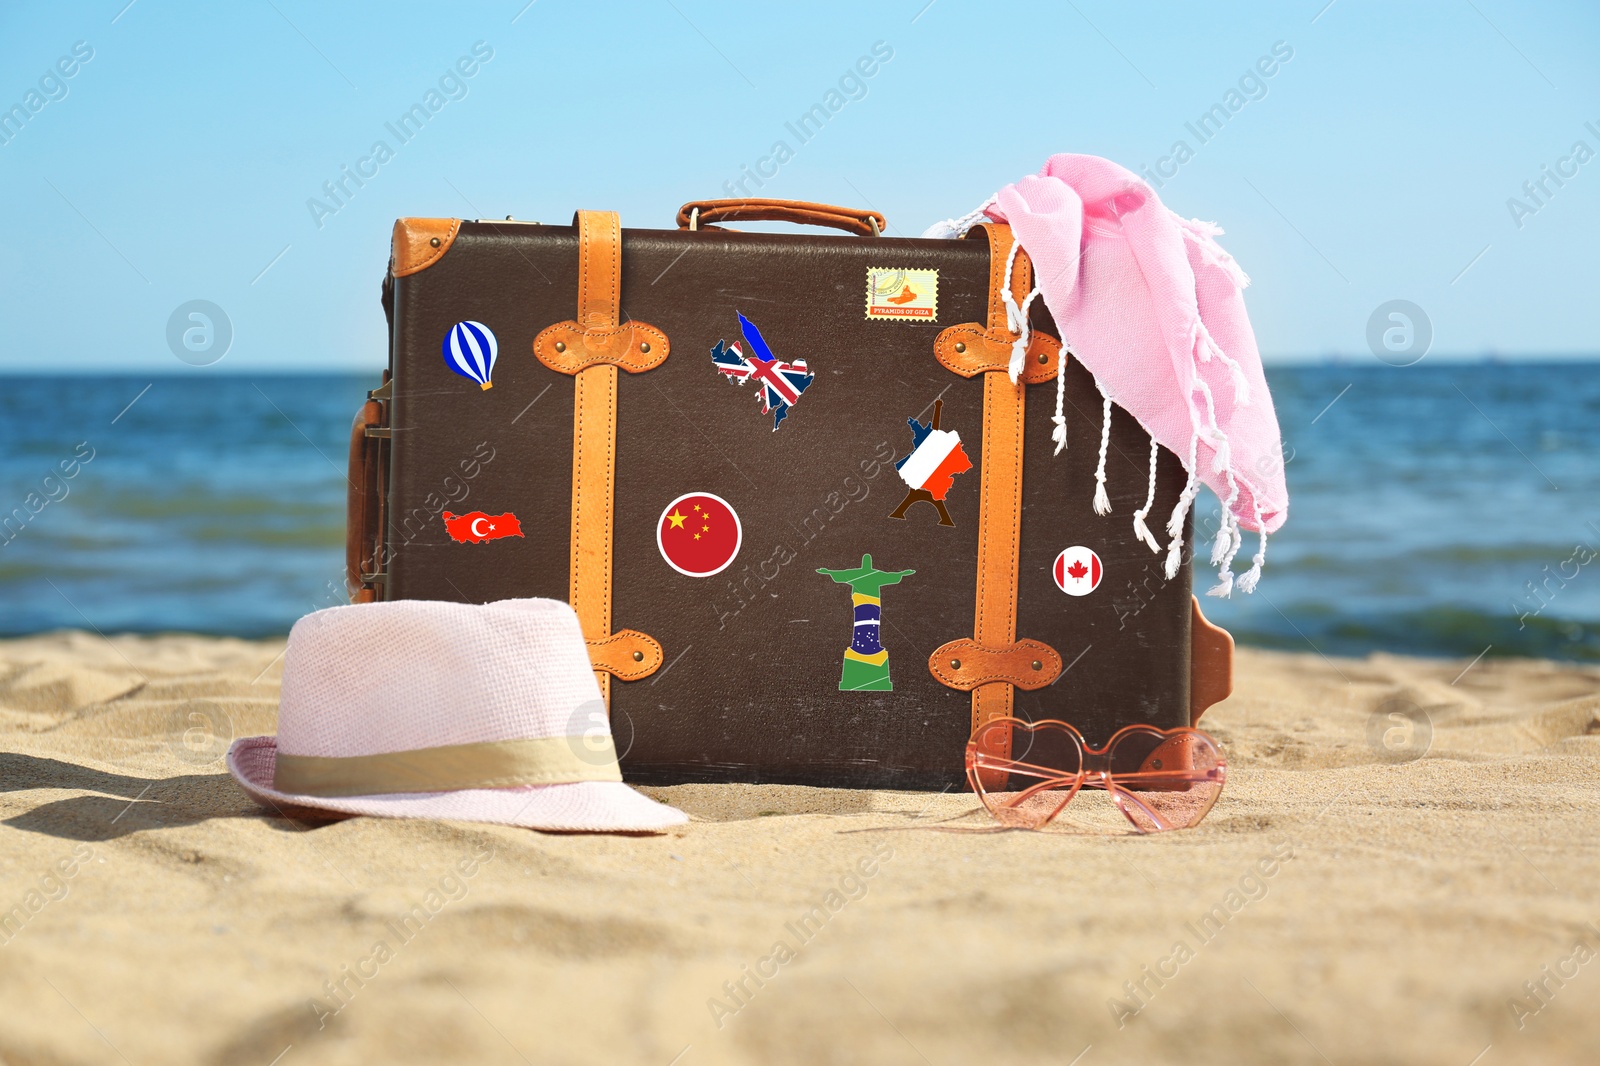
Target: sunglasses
1160, 779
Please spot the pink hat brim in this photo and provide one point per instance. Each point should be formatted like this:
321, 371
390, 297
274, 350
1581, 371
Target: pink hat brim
580, 806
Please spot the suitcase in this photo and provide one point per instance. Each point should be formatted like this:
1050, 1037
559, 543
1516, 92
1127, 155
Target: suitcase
887, 542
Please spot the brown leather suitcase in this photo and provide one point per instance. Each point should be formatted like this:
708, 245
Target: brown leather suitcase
561, 412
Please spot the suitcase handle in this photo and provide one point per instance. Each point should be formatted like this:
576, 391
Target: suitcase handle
365, 550
697, 214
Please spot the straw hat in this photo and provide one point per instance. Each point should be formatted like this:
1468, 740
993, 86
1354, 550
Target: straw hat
423, 709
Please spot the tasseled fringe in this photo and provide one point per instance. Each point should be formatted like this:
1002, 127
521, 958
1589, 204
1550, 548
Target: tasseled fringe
1225, 539
1140, 529
1228, 541
1226, 546
1222, 451
1017, 317
1059, 433
1251, 577
1222, 553
1102, 502
1181, 511
951, 228
1205, 348
1204, 234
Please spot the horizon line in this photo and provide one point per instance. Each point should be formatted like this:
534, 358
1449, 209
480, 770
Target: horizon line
1341, 359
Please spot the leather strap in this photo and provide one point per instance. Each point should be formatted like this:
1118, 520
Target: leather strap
970, 350
966, 664
994, 660
591, 348
567, 347
599, 268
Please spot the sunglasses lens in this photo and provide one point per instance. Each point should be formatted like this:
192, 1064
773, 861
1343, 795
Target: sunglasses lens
1024, 774
1166, 781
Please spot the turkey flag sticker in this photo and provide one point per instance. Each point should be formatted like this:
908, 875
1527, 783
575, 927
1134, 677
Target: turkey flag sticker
1077, 571
475, 527
698, 534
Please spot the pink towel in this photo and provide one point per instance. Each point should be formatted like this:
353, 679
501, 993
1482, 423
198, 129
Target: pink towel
1153, 307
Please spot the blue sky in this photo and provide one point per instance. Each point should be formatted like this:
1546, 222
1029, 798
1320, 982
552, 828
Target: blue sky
1374, 164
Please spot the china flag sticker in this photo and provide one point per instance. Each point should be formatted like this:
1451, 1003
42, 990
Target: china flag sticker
698, 534
1077, 571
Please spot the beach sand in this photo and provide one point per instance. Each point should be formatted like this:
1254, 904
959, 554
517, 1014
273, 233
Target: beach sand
1337, 907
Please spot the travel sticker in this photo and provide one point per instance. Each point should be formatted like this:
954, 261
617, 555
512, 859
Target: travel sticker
936, 458
470, 350
897, 292
475, 527
779, 384
866, 660
699, 534
1077, 571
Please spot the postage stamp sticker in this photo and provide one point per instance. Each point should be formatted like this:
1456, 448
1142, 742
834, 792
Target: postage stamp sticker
902, 293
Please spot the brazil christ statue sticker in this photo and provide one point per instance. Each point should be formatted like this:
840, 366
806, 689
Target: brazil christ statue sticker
699, 534
866, 660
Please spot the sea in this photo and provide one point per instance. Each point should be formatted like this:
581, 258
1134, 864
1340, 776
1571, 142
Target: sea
1441, 509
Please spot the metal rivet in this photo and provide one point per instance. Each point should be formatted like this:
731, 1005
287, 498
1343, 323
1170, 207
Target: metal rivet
638, 656
960, 347
645, 347
434, 241
955, 664
1044, 357
1037, 665
560, 347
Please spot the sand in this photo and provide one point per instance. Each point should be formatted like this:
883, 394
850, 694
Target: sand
1364, 906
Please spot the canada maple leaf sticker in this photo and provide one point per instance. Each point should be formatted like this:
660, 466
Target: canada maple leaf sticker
1077, 571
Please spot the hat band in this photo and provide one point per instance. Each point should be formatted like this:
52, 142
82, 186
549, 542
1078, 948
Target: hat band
452, 767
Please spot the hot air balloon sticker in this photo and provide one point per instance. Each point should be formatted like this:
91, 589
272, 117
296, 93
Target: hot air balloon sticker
470, 350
